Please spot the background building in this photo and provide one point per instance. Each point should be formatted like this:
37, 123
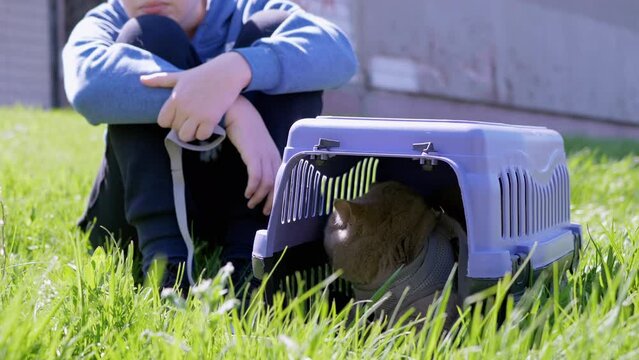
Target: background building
27, 52
570, 65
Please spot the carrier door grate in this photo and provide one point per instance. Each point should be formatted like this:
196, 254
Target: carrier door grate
309, 193
302, 196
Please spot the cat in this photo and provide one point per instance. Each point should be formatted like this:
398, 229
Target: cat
370, 237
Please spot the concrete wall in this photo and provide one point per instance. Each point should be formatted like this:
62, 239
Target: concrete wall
529, 54
519, 61
25, 53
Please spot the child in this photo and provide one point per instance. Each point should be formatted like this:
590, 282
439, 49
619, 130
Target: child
147, 66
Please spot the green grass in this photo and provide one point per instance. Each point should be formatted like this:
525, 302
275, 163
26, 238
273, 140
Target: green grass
59, 300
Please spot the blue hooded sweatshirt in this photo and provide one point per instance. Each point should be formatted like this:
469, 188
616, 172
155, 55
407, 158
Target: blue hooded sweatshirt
101, 77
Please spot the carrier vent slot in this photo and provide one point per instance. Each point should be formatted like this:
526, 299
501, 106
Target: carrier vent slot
298, 190
528, 207
547, 206
503, 206
321, 195
540, 207
553, 194
328, 195
513, 203
349, 189
565, 193
521, 209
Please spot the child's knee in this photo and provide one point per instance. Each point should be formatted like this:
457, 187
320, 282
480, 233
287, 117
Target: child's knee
159, 35
261, 24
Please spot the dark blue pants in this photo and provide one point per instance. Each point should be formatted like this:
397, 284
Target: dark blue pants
132, 197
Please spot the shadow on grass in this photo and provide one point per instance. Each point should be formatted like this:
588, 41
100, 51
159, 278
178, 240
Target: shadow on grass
609, 148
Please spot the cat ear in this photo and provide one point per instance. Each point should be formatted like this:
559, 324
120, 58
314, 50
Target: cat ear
343, 209
347, 211
356, 209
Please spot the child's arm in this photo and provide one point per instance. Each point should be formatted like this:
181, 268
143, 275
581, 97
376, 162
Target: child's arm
305, 53
102, 77
246, 130
201, 95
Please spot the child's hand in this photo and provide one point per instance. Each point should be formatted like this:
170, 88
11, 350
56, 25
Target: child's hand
201, 95
246, 130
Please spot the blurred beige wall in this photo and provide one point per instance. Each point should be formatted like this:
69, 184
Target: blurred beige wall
26, 53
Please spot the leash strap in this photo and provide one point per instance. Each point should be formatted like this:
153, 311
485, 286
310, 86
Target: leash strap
174, 147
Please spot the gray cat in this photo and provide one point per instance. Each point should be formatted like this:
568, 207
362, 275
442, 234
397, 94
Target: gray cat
370, 237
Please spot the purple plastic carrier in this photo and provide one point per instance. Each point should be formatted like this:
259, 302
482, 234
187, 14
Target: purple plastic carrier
507, 186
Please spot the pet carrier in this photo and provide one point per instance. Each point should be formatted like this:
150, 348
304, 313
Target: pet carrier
506, 185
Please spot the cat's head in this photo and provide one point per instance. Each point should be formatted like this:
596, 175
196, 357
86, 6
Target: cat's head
371, 236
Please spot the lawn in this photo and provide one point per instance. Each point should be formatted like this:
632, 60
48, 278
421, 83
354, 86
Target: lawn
57, 299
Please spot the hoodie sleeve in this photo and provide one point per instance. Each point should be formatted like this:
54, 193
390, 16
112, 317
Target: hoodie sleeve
101, 77
305, 53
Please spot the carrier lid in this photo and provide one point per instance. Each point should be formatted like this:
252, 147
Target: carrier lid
386, 136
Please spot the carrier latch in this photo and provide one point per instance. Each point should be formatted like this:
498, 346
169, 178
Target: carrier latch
324, 144
524, 279
426, 148
576, 251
